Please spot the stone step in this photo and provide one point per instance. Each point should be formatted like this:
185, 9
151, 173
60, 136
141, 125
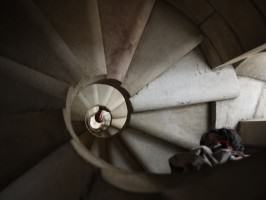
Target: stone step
167, 37
122, 156
123, 22
260, 112
28, 38
253, 67
78, 23
119, 122
37, 80
229, 112
26, 139
19, 98
91, 94
79, 107
181, 126
152, 152
115, 100
120, 112
190, 81
67, 174
253, 132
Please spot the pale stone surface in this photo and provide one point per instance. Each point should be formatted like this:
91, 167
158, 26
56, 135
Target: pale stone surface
190, 81
123, 22
253, 132
78, 23
253, 67
153, 152
261, 107
230, 112
160, 48
181, 126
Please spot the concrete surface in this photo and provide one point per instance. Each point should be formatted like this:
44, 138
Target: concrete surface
253, 132
62, 175
222, 38
26, 139
244, 20
253, 67
181, 126
39, 81
190, 81
123, 22
261, 107
27, 38
198, 11
152, 152
79, 26
160, 48
229, 112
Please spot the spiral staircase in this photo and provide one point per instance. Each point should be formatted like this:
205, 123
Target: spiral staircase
114, 85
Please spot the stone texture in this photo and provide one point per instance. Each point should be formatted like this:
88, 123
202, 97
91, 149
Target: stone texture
27, 37
181, 126
152, 152
160, 48
190, 81
261, 107
197, 11
222, 38
39, 81
244, 20
253, 132
28, 138
20, 98
123, 22
253, 67
245, 55
62, 175
122, 156
210, 53
229, 112
78, 23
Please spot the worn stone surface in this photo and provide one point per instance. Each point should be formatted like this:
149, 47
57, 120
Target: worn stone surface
222, 38
39, 81
190, 81
61, 175
123, 22
20, 98
153, 152
210, 53
245, 55
253, 67
253, 132
160, 48
181, 126
78, 23
27, 37
244, 19
230, 112
261, 107
28, 138
197, 11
